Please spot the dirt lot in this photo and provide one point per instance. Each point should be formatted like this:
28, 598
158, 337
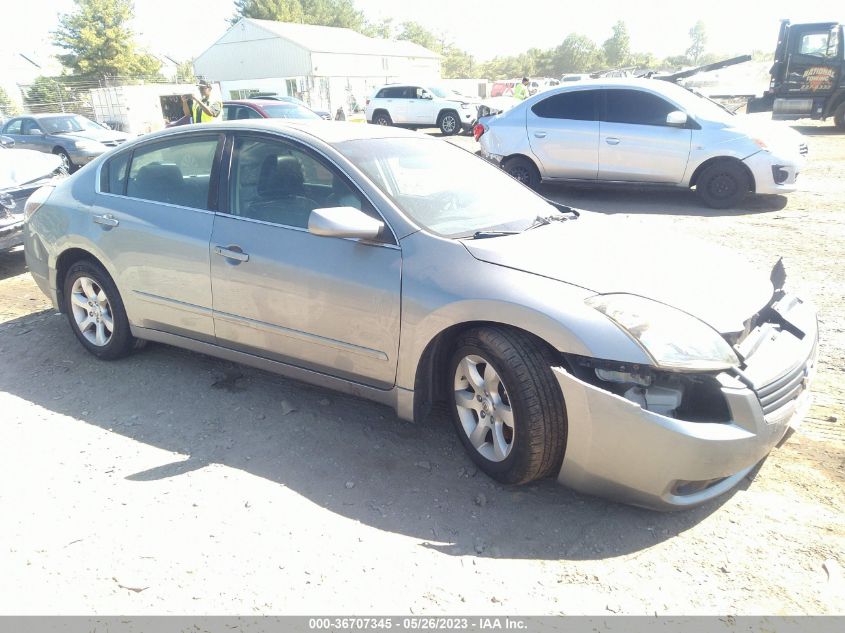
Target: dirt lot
171, 482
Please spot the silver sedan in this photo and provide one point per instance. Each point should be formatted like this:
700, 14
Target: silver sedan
400, 268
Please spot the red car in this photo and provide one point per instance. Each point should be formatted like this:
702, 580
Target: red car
265, 109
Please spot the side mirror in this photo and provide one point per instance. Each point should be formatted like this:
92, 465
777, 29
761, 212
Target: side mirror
33, 131
343, 222
7, 142
677, 118
427, 95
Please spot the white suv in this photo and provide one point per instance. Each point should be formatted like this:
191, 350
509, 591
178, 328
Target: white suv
414, 106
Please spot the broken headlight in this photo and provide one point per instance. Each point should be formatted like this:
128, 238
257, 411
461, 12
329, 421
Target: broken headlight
673, 339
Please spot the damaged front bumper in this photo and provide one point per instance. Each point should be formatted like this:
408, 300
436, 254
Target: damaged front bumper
617, 449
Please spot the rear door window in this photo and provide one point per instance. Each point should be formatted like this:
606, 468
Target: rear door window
174, 172
636, 107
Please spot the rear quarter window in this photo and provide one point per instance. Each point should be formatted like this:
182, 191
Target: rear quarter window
113, 174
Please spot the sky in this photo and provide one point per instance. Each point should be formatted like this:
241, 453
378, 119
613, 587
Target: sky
485, 28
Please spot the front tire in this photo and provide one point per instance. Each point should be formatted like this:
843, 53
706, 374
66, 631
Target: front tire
507, 407
723, 184
67, 163
95, 311
449, 123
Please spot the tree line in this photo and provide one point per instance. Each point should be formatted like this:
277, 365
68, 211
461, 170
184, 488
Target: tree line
97, 41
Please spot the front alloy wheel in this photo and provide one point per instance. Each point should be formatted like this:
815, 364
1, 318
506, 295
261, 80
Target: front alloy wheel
449, 123
484, 408
506, 405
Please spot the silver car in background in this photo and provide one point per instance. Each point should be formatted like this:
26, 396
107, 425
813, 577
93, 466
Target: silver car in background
564, 345
644, 132
75, 139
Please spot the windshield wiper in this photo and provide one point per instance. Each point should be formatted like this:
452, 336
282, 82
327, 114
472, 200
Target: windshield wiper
480, 235
543, 220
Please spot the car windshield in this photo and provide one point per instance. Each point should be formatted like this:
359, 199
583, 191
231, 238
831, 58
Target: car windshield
69, 123
289, 111
443, 93
698, 106
444, 188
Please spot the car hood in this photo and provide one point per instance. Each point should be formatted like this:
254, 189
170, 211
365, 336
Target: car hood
20, 166
94, 135
778, 136
611, 255
470, 100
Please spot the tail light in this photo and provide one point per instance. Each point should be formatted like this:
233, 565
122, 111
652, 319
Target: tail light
35, 201
478, 130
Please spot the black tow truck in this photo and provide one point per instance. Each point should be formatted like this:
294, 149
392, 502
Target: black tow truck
808, 74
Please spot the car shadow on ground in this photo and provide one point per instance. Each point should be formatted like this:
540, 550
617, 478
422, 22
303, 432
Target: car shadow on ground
818, 130
352, 457
12, 263
611, 199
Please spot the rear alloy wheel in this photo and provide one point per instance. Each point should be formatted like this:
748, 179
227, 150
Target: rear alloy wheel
95, 311
507, 406
723, 185
523, 170
382, 118
449, 123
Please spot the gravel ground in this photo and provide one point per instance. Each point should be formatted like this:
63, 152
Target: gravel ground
171, 482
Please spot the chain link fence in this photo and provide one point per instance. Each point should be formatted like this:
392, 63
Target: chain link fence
126, 103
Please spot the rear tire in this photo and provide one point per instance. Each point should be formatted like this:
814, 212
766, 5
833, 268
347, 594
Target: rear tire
449, 123
506, 404
839, 117
723, 184
382, 118
95, 311
523, 170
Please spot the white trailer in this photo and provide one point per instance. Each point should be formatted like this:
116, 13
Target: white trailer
139, 108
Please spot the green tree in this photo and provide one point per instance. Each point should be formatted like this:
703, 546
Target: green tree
418, 34
382, 29
281, 10
45, 94
617, 48
7, 106
457, 63
338, 13
698, 40
185, 72
99, 41
578, 54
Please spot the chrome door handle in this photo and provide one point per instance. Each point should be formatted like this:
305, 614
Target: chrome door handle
230, 254
540, 134
106, 220
611, 140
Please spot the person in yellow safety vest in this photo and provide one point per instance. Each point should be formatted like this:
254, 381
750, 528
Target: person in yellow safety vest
204, 110
520, 90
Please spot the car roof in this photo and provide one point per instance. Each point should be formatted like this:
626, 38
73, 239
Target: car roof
261, 103
330, 132
46, 115
654, 85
